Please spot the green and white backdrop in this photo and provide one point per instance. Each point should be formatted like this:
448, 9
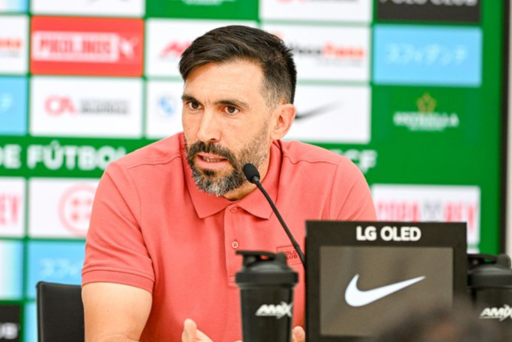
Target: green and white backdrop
410, 90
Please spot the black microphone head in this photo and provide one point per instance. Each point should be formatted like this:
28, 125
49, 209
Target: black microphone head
251, 173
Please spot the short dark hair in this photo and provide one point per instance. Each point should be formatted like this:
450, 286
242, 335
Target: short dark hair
232, 43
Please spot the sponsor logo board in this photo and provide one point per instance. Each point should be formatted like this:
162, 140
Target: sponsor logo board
457, 11
87, 107
332, 114
11, 269
87, 46
168, 39
428, 55
13, 44
426, 118
324, 10
163, 108
60, 208
56, 262
327, 53
13, 5
430, 203
12, 207
13, 106
126, 8
10, 327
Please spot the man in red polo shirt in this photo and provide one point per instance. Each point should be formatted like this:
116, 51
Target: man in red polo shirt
168, 218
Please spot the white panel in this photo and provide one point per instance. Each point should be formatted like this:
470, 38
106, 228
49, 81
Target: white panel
12, 207
332, 114
322, 10
13, 44
167, 39
327, 53
430, 203
86, 107
132, 8
60, 208
163, 108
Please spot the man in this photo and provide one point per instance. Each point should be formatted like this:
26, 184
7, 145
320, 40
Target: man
168, 218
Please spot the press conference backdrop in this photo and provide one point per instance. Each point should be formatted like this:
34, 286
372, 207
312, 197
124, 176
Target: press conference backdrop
411, 91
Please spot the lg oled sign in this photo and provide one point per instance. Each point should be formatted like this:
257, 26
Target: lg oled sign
463, 11
82, 46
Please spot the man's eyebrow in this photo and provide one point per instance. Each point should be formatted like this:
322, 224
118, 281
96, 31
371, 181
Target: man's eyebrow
186, 98
233, 102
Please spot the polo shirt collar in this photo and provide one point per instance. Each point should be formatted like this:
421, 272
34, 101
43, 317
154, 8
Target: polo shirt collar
254, 203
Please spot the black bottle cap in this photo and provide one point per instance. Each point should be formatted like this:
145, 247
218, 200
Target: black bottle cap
262, 268
487, 271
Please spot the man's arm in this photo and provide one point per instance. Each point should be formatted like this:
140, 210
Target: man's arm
115, 312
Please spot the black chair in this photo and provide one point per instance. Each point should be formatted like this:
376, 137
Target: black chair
60, 313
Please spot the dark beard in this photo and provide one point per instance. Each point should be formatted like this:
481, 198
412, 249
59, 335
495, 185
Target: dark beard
254, 152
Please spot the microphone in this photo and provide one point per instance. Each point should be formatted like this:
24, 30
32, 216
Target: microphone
252, 174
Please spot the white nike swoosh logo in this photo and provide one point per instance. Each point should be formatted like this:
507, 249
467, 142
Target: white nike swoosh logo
355, 297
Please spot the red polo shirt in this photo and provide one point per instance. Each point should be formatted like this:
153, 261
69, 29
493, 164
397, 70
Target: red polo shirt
152, 228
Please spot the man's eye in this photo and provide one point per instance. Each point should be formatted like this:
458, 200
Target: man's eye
231, 110
193, 105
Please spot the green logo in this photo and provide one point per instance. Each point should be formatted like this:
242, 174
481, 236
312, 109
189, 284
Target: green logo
426, 119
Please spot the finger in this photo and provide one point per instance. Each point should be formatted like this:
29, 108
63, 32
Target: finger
189, 331
299, 335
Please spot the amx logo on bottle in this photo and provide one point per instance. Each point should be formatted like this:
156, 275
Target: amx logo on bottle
80, 46
277, 311
497, 313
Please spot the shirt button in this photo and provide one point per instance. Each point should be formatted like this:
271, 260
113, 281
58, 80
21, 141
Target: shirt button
234, 244
234, 209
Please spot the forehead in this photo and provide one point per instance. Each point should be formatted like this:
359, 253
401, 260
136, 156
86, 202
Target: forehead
235, 78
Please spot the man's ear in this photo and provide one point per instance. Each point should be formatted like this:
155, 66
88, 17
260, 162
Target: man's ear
283, 118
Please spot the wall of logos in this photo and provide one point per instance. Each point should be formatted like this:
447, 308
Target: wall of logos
409, 90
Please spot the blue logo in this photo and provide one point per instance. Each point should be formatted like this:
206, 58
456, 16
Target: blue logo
13, 105
427, 55
11, 270
166, 106
13, 6
57, 262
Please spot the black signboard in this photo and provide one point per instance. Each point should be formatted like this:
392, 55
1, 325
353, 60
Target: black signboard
448, 11
10, 323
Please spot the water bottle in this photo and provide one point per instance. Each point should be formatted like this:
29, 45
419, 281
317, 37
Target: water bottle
266, 291
490, 286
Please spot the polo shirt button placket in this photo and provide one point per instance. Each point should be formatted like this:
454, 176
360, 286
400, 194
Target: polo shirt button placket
233, 210
234, 244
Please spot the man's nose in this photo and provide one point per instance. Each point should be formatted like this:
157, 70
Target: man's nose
209, 129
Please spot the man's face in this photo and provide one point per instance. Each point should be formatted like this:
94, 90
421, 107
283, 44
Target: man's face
226, 125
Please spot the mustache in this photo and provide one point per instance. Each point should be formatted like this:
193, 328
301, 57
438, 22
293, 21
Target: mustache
201, 146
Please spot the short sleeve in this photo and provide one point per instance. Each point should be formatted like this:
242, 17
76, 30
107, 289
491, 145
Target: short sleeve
115, 251
351, 196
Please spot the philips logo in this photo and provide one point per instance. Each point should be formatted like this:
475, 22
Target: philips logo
277, 311
497, 313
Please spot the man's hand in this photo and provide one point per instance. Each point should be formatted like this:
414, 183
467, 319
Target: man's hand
192, 334
298, 335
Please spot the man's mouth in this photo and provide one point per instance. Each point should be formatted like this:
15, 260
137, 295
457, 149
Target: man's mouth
210, 161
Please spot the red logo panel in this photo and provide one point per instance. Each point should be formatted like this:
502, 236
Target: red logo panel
87, 46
